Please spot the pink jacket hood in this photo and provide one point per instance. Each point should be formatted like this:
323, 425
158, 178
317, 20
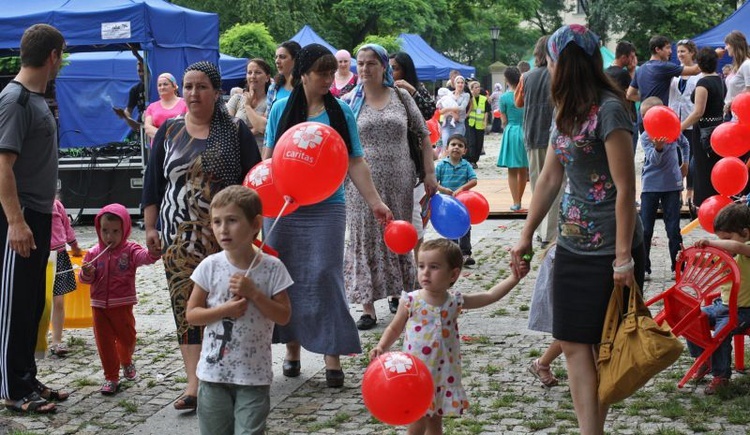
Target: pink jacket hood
120, 211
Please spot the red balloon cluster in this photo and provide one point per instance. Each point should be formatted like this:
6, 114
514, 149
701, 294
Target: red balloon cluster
741, 107
310, 162
400, 237
729, 176
476, 204
708, 210
397, 388
661, 122
260, 179
731, 139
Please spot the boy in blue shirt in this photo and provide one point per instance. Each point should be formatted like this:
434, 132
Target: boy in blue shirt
664, 166
455, 175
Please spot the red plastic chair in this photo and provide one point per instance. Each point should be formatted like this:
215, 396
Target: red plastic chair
701, 274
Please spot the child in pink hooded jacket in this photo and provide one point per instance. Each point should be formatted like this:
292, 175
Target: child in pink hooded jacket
110, 268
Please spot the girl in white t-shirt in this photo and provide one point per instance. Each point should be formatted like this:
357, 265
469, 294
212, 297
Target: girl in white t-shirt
736, 46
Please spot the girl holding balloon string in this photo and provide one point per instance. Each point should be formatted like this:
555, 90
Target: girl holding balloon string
429, 319
310, 241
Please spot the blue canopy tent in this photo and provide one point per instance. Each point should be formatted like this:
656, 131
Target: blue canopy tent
90, 84
171, 37
307, 35
430, 64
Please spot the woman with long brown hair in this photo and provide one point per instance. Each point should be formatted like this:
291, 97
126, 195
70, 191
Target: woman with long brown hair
591, 140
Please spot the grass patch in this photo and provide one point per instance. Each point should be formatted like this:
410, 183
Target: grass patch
130, 406
534, 353
75, 341
490, 369
463, 425
539, 422
523, 307
332, 423
84, 382
499, 312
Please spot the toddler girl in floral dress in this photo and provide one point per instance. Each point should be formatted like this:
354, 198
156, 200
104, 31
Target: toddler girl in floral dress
429, 317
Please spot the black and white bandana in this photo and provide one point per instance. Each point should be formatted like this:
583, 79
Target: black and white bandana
222, 155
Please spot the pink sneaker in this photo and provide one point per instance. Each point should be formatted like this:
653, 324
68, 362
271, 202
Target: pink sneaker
128, 372
716, 383
109, 388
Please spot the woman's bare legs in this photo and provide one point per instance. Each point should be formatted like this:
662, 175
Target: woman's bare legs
517, 178
58, 317
553, 351
191, 353
583, 384
292, 351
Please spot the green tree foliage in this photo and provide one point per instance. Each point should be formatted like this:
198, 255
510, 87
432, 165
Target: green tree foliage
248, 40
10, 65
675, 19
391, 44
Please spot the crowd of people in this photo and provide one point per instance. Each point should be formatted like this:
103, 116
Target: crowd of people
230, 299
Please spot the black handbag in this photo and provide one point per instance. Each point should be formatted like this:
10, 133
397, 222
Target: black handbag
415, 141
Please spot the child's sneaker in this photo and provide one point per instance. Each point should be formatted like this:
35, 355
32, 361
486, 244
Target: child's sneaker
716, 383
109, 388
128, 372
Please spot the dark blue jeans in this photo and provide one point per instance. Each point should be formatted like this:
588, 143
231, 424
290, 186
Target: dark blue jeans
670, 204
718, 316
465, 243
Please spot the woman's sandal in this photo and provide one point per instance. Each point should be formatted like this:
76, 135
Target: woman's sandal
186, 403
543, 373
49, 394
58, 350
31, 404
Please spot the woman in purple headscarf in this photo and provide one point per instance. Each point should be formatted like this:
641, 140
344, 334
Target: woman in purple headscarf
591, 140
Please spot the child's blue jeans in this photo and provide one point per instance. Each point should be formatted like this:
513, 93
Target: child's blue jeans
670, 204
718, 317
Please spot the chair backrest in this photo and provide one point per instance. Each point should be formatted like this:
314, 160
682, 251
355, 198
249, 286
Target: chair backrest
701, 274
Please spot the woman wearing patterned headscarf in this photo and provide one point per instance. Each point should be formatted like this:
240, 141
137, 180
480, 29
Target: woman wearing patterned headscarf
310, 241
384, 116
591, 139
192, 159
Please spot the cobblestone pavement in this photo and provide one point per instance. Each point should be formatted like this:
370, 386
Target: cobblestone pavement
497, 349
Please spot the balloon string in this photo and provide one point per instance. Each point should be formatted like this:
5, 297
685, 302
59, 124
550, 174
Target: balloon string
89, 263
287, 201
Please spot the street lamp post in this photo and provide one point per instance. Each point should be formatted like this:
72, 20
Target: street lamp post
494, 34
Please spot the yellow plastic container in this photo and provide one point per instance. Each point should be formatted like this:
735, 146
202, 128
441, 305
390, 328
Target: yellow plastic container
78, 302
44, 322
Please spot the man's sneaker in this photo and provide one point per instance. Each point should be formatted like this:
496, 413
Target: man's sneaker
128, 372
716, 383
468, 261
109, 388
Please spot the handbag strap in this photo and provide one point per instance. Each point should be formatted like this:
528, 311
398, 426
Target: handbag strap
408, 112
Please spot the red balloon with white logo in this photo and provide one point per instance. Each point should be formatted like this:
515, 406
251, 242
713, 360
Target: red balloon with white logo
397, 388
310, 162
260, 179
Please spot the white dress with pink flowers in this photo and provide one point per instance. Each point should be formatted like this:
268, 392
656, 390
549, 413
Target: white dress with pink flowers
432, 336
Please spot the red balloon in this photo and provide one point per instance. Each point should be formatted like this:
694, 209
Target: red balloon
436, 115
434, 128
708, 210
309, 162
397, 388
661, 122
400, 237
260, 179
477, 204
496, 113
731, 139
741, 107
729, 176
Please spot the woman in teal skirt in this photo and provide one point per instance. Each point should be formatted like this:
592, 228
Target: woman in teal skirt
512, 151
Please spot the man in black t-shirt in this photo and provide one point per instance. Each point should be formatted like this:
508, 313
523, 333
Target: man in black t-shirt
136, 98
622, 71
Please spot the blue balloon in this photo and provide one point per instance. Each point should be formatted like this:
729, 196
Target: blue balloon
449, 216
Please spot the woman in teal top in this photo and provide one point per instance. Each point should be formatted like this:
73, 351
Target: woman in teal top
310, 241
512, 151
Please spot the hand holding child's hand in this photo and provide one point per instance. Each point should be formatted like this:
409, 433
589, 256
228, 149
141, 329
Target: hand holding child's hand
235, 307
242, 286
521, 271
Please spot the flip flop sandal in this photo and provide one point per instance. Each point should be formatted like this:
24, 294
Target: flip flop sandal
58, 350
186, 402
31, 404
50, 394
